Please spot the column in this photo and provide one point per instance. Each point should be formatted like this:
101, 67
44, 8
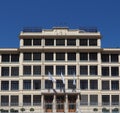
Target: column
66, 104
54, 104
42, 104
78, 104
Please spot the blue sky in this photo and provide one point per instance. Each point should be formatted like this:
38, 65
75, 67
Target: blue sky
16, 14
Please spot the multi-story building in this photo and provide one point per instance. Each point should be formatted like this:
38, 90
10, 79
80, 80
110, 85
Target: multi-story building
60, 70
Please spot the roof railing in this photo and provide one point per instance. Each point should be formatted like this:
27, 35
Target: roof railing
32, 29
88, 29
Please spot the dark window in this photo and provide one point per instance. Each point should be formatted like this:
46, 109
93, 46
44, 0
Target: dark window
36, 100
5, 71
60, 56
93, 56
48, 69
36, 70
26, 84
48, 56
93, 84
84, 84
114, 71
84, 100
59, 84
83, 56
14, 100
14, 57
4, 85
114, 57
4, 100
105, 57
27, 42
71, 56
105, 71
92, 42
70, 84
26, 70
60, 69
36, 84
71, 70
5, 57
48, 84
71, 42
36, 42
93, 70
115, 85
93, 99
115, 99
60, 42
14, 71
26, 100
83, 42
27, 56
49, 42
105, 85
36, 56
83, 70
105, 99
14, 85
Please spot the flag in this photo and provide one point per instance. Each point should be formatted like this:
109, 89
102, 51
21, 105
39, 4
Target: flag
51, 77
62, 77
74, 81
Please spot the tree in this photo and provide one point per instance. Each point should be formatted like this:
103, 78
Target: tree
31, 109
22, 109
95, 109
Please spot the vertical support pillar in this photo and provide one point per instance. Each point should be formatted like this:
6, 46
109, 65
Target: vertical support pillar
78, 104
54, 104
66, 104
42, 104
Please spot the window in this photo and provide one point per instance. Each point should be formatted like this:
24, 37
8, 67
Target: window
114, 57
36, 100
72, 56
27, 42
114, 71
105, 57
48, 84
59, 84
105, 85
93, 99
93, 70
14, 71
48, 56
26, 70
84, 84
36, 56
4, 100
83, 42
71, 70
115, 85
26, 100
70, 84
60, 56
26, 84
14, 85
5, 71
14, 57
93, 84
105, 100
49, 42
83, 70
5, 57
105, 71
60, 69
14, 100
84, 100
36, 84
93, 56
36, 70
48, 69
36, 42
27, 56
115, 99
60, 42
83, 56
71, 42
92, 42
4, 85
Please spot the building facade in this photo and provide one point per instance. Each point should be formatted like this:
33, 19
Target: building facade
60, 70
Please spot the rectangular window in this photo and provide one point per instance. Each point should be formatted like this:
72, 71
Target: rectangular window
49, 56
27, 42
14, 85
105, 71
93, 70
27, 56
48, 69
71, 70
115, 99
70, 84
4, 100
14, 71
105, 99
36, 70
36, 84
114, 57
36, 56
115, 85
84, 100
5, 57
84, 84
71, 42
59, 84
93, 84
93, 56
105, 85
36, 42
49, 42
83, 70
14, 57
105, 57
36, 100
4, 85
60, 56
48, 84
114, 71
83, 42
14, 100
83, 56
92, 42
60, 42
60, 69
26, 84
26, 100
93, 99
5, 71
71, 56
26, 70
